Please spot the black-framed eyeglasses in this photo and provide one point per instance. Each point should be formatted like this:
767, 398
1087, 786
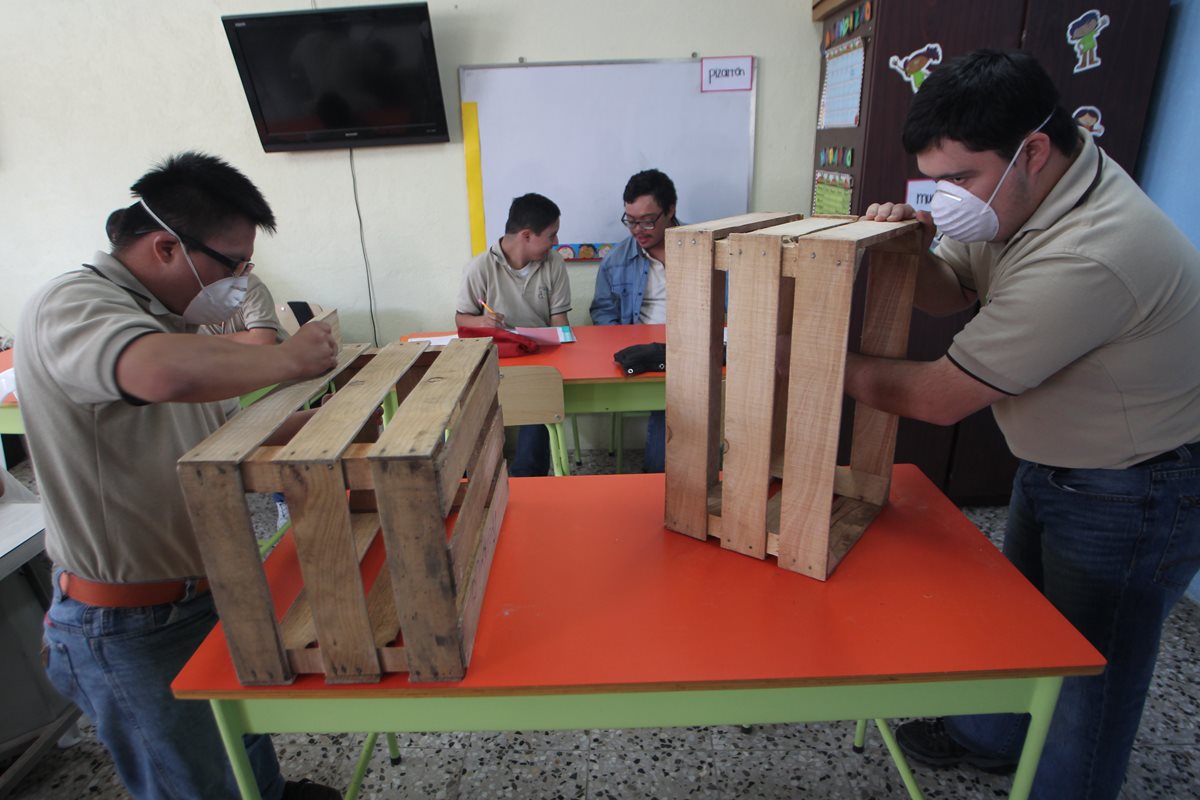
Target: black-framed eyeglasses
641, 224
234, 265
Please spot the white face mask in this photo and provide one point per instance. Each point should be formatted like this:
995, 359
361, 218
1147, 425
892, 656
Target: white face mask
217, 301
964, 217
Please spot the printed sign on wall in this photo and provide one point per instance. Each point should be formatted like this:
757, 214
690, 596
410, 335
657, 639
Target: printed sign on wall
727, 74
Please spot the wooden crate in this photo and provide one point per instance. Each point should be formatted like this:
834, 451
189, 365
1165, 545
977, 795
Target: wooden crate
416, 612
779, 491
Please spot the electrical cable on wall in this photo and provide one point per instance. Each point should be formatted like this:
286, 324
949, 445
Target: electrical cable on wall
362, 238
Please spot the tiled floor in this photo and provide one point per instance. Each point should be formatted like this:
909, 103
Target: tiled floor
762, 763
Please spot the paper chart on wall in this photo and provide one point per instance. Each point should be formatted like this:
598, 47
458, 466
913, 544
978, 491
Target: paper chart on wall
841, 93
832, 193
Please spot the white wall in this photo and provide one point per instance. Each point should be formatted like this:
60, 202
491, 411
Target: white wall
92, 92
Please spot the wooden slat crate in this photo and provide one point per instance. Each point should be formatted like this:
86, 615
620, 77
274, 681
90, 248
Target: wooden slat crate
400, 500
789, 285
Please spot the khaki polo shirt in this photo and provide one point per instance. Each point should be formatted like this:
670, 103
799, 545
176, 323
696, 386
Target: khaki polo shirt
256, 311
1090, 322
527, 298
105, 463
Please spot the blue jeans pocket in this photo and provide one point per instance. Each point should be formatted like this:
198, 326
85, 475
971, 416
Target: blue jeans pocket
1181, 556
1098, 484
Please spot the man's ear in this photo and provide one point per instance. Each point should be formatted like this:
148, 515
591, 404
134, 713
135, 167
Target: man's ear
163, 246
1038, 150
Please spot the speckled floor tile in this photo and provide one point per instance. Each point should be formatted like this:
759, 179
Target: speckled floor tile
423, 774
84, 770
651, 775
562, 741
1162, 772
798, 736
781, 775
651, 739
501, 773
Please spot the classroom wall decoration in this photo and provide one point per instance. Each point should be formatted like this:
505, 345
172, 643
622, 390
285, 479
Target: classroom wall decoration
576, 132
1081, 34
914, 67
841, 91
1089, 117
832, 192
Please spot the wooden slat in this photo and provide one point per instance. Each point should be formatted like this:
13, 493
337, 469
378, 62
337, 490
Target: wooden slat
339, 420
805, 227
238, 437
259, 474
393, 659
465, 538
216, 502
419, 428
470, 601
322, 528
695, 319
297, 628
381, 608
465, 427
330, 318
816, 375
864, 233
852, 522
306, 660
891, 281
720, 228
749, 394
531, 395
421, 575
864, 486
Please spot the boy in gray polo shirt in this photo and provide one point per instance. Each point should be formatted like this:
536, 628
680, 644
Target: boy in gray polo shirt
115, 387
520, 281
1085, 349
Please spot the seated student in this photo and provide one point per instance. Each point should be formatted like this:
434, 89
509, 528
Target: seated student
631, 286
255, 321
523, 281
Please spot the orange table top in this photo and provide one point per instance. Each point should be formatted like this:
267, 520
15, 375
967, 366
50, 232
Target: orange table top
590, 357
589, 591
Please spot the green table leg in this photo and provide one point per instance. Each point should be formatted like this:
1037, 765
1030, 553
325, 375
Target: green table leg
232, 728
393, 749
898, 758
360, 769
1041, 710
860, 735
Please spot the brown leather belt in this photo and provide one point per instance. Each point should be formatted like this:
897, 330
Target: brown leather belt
128, 595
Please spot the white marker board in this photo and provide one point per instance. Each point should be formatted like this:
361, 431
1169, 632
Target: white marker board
576, 132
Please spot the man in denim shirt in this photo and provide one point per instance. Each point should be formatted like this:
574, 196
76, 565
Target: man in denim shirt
631, 286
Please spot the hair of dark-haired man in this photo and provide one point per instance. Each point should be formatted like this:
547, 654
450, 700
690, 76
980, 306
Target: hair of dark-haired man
196, 194
532, 211
988, 100
651, 182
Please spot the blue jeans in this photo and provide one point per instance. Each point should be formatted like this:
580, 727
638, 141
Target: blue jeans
117, 665
1113, 550
532, 456
655, 458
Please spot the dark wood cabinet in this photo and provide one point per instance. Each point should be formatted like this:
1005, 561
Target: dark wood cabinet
902, 40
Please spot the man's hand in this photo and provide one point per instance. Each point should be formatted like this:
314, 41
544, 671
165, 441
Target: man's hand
311, 351
898, 212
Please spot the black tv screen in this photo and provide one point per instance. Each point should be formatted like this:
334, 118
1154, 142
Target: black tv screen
342, 77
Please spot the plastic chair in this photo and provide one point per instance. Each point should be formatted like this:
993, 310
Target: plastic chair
532, 396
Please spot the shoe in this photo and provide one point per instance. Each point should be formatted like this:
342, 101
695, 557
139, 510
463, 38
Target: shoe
307, 790
927, 742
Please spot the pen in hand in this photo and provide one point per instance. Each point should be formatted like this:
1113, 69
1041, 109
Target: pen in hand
499, 318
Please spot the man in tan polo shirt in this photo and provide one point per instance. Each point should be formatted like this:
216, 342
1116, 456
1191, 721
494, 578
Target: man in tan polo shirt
1084, 349
115, 386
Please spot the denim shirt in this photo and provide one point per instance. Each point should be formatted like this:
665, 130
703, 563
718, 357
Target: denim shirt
620, 285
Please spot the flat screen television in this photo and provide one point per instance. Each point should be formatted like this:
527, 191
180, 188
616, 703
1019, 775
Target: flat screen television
343, 77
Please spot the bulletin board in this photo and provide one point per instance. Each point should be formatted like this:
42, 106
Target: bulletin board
575, 132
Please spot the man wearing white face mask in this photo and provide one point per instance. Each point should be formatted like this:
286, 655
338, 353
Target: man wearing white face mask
1084, 349
115, 386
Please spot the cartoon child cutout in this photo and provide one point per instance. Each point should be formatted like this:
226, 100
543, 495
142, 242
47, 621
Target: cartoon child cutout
915, 67
1089, 117
587, 251
1081, 34
566, 251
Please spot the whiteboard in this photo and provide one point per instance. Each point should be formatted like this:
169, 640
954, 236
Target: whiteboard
576, 132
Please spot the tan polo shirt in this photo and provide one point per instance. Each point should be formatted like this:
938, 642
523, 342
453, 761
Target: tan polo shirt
105, 463
256, 311
527, 298
1090, 321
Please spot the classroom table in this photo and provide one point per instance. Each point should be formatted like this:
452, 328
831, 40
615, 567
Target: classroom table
592, 381
595, 616
10, 414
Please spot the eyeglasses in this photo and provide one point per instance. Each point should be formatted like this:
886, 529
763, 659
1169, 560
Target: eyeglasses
641, 224
235, 266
